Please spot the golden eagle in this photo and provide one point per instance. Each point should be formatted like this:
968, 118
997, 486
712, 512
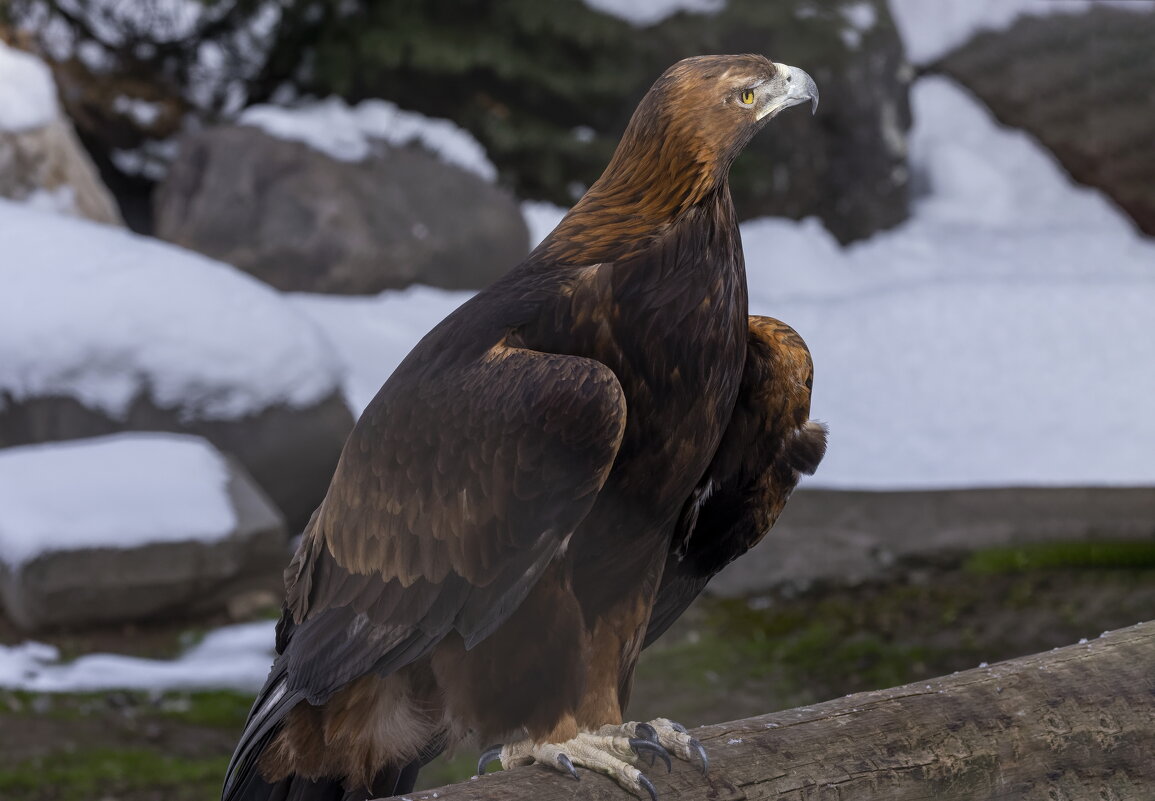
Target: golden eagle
547, 481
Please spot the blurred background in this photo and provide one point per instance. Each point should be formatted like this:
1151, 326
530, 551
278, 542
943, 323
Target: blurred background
224, 222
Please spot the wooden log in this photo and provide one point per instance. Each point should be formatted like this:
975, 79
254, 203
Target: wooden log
1072, 724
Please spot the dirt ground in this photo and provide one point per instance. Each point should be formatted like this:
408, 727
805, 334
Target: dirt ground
726, 659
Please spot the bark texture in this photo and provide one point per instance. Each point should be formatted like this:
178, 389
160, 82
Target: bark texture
1069, 724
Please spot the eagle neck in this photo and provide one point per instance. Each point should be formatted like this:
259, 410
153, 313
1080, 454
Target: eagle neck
618, 218
657, 175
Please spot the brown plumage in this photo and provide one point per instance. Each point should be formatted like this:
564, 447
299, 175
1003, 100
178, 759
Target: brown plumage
550, 476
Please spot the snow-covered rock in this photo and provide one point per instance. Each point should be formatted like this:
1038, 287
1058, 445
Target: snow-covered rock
336, 211
129, 527
41, 160
931, 30
347, 133
102, 330
1091, 105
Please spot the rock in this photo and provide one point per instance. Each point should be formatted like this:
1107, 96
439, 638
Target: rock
290, 452
1081, 85
846, 537
141, 563
41, 159
303, 221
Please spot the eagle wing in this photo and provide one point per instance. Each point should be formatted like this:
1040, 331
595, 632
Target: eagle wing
768, 444
456, 488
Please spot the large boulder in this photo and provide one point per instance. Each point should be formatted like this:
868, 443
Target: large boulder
1081, 85
41, 159
102, 331
128, 528
302, 220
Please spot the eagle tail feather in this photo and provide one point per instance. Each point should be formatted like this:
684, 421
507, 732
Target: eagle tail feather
242, 779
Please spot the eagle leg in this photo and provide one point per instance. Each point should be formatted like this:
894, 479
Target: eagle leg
606, 751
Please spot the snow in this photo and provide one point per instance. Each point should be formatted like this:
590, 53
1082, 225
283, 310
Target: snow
371, 335
347, 133
236, 657
120, 491
1002, 336
862, 17
540, 218
650, 12
930, 30
27, 92
96, 313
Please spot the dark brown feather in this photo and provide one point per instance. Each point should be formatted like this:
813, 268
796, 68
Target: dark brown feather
769, 444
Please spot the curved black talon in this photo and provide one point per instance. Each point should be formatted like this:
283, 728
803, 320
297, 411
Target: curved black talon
649, 785
655, 749
567, 763
645, 731
697, 748
487, 756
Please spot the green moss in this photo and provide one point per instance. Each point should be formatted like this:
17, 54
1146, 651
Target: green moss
103, 773
450, 770
226, 709
1046, 556
223, 709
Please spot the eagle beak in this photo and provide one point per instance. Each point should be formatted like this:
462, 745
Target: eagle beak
789, 87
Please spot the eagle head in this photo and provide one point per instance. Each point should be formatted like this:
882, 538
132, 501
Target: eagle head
676, 152
712, 105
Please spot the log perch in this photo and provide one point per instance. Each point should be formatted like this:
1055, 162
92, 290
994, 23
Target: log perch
1070, 724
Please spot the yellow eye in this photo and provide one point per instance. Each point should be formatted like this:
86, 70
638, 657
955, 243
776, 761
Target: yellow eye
748, 96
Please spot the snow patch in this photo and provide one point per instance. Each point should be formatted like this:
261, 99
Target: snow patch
27, 91
642, 13
346, 133
541, 218
236, 657
862, 18
120, 491
371, 335
101, 315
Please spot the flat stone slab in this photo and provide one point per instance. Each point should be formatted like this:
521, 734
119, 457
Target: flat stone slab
850, 537
130, 527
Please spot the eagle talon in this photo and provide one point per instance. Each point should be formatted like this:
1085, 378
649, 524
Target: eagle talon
648, 786
487, 756
654, 749
567, 763
695, 746
645, 731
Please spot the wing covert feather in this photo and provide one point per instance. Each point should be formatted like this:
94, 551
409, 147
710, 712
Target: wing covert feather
456, 488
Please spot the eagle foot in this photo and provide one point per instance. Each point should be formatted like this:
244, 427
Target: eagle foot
672, 736
611, 751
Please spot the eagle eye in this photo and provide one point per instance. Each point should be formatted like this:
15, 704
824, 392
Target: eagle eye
747, 96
